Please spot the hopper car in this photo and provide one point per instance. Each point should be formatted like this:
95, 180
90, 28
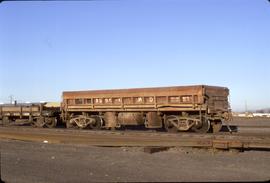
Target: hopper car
198, 108
35, 114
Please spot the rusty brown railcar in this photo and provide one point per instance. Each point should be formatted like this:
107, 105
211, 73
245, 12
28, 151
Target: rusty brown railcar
36, 114
182, 108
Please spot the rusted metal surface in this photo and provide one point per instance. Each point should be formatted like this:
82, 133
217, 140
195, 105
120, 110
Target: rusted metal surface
178, 98
153, 120
20, 110
111, 119
131, 118
38, 114
189, 102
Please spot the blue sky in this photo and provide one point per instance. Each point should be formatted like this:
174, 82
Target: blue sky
49, 47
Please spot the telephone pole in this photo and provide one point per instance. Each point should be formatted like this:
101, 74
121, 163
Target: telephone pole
11, 98
245, 106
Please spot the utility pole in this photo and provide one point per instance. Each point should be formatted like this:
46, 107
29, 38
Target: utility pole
246, 109
11, 98
245, 106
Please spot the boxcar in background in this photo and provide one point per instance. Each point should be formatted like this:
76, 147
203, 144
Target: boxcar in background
181, 108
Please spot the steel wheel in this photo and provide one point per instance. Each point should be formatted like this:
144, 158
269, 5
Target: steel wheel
40, 122
69, 124
5, 121
51, 122
81, 121
203, 127
96, 125
169, 124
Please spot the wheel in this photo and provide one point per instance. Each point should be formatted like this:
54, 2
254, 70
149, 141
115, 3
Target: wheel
70, 125
216, 127
81, 121
96, 125
50, 122
40, 122
169, 124
203, 127
5, 120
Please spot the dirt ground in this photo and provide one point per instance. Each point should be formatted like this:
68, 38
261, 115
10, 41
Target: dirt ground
40, 162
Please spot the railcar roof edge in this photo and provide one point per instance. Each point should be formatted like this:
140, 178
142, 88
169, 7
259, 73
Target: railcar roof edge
148, 88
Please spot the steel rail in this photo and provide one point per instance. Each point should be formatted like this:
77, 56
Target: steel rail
142, 139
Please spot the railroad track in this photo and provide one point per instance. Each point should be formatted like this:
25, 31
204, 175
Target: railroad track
135, 138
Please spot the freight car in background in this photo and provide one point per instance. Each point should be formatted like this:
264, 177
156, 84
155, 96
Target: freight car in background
197, 108
36, 114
